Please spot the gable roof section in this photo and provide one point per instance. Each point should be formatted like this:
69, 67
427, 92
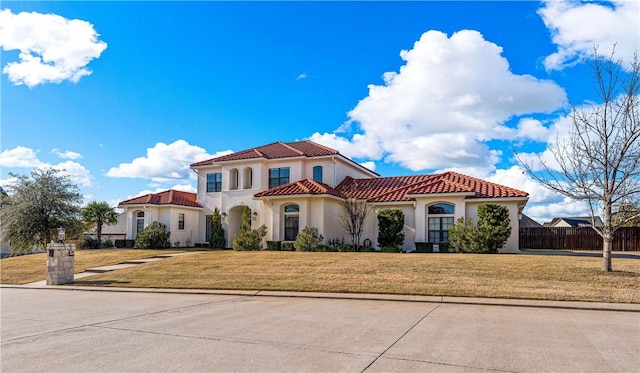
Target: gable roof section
274, 151
168, 197
302, 187
406, 188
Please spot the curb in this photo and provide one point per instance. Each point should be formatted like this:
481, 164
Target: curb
568, 305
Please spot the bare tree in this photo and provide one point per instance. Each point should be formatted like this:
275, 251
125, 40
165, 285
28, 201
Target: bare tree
597, 162
353, 215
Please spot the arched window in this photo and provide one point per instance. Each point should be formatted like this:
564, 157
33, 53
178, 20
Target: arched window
247, 178
139, 222
317, 173
291, 222
440, 220
233, 179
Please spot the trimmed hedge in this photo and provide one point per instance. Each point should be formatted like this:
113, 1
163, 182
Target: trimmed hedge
424, 247
124, 244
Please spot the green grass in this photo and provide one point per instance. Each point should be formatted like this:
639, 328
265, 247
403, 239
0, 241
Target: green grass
465, 275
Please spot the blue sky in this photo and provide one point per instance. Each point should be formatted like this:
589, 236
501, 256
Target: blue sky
123, 96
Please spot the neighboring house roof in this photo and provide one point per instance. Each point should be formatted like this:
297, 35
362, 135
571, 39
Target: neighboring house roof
575, 222
527, 222
275, 150
399, 188
168, 197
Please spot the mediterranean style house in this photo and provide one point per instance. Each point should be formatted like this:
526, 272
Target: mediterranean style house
289, 186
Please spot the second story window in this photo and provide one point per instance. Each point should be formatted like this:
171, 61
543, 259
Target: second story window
214, 182
180, 221
278, 176
317, 174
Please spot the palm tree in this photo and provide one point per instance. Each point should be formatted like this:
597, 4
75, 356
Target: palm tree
99, 213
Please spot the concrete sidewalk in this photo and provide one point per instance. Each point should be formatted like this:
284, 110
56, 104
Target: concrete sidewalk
594, 306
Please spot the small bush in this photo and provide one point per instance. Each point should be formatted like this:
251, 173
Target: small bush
250, 240
346, 248
308, 239
273, 245
390, 249
287, 246
90, 244
367, 249
326, 248
155, 236
390, 228
444, 247
108, 243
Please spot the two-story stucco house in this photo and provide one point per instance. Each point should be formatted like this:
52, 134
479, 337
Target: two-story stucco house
289, 186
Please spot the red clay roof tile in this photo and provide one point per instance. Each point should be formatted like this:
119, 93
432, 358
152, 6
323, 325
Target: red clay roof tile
404, 188
306, 187
273, 151
168, 197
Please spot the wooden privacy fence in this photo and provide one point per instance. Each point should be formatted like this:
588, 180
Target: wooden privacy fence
584, 238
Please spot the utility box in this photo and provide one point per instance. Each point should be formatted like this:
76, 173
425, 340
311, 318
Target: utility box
60, 263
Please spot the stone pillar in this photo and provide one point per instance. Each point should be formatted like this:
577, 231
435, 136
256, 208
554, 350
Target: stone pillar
60, 263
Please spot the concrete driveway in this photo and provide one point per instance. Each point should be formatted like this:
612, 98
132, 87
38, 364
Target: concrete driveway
45, 330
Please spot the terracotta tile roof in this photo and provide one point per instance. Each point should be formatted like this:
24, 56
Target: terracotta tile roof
304, 187
168, 197
275, 150
404, 188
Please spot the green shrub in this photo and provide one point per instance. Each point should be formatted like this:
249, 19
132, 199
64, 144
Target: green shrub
464, 237
308, 239
108, 243
326, 248
287, 246
367, 249
345, 248
490, 234
390, 249
444, 247
273, 245
90, 244
494, 226
249, 239
391, 228
424, 247
155, 236
217, 239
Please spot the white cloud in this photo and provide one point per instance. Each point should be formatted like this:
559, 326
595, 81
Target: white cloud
66, 154
52, 48
20, 156
452, 94
369, 165
76, 172
301, 76
576, 27
24, 157
164, 163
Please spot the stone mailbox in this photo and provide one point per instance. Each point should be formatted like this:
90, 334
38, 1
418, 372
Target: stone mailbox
60, 263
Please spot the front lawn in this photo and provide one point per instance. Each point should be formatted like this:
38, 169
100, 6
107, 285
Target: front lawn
24, 269
467, 275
